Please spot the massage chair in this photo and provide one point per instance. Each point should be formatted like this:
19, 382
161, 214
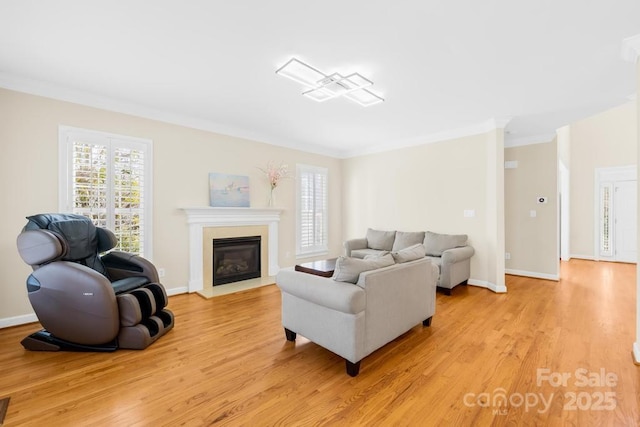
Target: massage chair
88, 299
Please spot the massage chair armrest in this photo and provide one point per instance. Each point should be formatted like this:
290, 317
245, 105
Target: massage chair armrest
75, 303
121, 265
352, 244
452, 256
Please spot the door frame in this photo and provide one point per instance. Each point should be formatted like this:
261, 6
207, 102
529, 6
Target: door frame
603, 175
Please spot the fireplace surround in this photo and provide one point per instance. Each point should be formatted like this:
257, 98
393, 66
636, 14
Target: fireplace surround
206, 223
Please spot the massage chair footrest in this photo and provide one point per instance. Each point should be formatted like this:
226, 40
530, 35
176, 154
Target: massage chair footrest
145, 333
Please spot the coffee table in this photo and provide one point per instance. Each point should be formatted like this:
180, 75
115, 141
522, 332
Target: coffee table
322, 268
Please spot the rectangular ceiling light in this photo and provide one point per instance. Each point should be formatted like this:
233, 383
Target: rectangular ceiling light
319, 94
364, 97
323, 87
300, 72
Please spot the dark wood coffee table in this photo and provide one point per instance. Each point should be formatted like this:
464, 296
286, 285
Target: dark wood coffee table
322, 268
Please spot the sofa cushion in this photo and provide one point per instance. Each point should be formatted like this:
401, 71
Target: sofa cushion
381, 240
411, 253
363, 253
377, 254
404, 239
435, 243
349, 269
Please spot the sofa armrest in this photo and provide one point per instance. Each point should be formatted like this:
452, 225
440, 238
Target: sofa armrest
399, 297
452, 256
352, 244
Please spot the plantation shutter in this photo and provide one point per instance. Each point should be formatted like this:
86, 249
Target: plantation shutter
312, 210
108, 181
606, 249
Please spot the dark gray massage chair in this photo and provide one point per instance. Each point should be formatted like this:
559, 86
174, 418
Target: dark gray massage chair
84, 300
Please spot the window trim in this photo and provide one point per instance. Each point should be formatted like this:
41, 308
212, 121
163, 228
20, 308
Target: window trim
66, 137
324, 249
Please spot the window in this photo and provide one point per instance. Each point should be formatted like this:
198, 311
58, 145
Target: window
311, 210
605, 219
107, 178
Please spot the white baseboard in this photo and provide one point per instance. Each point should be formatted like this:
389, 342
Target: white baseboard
177, 291
488, 285
7, 322
636, 353
18, 320
587, 257
533, 274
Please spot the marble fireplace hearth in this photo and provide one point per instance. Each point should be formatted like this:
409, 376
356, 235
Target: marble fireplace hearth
207, 223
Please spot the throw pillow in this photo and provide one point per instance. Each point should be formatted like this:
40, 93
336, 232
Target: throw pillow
404, 239
380, 240
349, 269
435, 243
409, 254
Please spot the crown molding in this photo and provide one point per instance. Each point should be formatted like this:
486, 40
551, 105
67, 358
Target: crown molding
631, 48
61, 93
529, 140
449, 134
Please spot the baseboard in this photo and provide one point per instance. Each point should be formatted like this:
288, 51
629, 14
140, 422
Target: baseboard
177, 291
636, 353
587, 257
7, 322
488, 285
533, 274
18, 320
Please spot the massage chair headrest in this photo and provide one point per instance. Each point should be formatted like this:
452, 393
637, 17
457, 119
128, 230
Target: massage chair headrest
66, 237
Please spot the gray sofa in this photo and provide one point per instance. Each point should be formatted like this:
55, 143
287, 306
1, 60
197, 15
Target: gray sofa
450, 252
366, 304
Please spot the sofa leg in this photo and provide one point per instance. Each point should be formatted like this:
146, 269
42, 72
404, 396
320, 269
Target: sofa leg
445, 291
427, 322
291, 336
353, 369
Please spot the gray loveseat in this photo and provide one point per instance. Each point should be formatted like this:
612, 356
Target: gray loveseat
366, 304
450, 252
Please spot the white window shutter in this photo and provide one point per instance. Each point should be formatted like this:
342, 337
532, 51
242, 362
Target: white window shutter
107, 178
312, 220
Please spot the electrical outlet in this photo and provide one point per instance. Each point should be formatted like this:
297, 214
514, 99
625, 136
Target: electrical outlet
507, 255
161, 272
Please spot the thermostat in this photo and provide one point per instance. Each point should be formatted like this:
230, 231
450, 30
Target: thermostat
542, 199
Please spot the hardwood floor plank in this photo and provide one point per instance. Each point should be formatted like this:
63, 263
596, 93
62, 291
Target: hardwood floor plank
227, 363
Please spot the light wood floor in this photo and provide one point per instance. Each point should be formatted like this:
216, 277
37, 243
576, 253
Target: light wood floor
227, 363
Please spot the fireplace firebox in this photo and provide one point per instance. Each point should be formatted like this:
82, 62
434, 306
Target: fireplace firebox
236, 259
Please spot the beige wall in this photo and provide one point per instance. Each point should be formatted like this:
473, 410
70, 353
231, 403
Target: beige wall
605, 140
183, 158
636, 345
532, 241
428, 187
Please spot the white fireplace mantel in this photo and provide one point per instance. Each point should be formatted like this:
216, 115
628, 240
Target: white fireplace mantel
200, 217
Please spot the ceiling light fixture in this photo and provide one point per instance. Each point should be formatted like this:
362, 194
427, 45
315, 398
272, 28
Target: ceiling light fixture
322, 87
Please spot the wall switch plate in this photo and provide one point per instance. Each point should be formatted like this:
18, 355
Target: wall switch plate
507, 255
511, 164
161, 272
533, 213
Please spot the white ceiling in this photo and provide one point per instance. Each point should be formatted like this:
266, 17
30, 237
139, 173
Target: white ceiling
445, 68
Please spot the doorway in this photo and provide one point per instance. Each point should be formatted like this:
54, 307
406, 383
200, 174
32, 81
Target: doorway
616, 212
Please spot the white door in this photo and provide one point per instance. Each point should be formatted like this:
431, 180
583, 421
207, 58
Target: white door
624, 224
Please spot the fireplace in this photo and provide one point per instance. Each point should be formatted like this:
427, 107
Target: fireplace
236, 259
